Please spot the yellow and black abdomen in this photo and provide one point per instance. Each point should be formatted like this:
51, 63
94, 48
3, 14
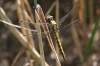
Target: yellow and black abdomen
56, 36
59, 45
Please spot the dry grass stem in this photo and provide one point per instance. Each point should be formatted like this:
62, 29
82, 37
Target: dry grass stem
18, 56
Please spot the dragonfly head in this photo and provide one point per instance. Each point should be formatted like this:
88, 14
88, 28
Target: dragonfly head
49, 18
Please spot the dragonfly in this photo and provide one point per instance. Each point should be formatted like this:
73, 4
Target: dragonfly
54, 28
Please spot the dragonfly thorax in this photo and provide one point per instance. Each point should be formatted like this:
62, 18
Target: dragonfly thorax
52, 24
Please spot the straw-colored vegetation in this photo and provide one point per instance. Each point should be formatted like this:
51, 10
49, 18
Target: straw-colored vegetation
81, 44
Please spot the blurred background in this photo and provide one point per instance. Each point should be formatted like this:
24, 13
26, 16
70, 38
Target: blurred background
81, 44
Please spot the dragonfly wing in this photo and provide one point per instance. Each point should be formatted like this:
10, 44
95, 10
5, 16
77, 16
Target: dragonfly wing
67, 15
42, 33
66, 29
33, 25
34, 31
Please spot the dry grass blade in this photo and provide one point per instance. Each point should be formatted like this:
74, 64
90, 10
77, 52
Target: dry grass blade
28, 17
30, 10
82, 15
45, 27
57, 19
22, 9
40, 39
91, 11
17, 26
20, 17
18, 56
21, 38
50, 9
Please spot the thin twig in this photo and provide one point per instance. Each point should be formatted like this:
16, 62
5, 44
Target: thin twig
50, 9
18, 56
91, 18
28, 33
30, 10
57, 20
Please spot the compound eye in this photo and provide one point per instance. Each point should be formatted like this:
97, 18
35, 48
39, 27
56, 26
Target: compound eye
48, 17
51, 17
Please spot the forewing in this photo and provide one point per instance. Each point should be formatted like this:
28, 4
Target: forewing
33, 26
67, 15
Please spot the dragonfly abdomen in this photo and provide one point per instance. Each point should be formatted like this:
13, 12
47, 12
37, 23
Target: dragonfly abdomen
59, 45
